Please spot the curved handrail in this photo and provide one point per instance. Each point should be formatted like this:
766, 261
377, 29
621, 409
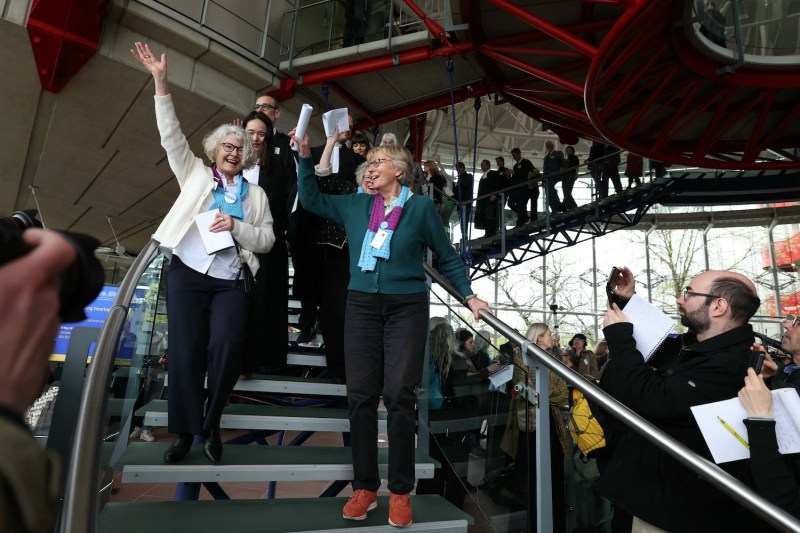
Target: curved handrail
79, 511
709, 471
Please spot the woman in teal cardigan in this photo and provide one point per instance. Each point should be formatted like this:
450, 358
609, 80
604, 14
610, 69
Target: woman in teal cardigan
387, 312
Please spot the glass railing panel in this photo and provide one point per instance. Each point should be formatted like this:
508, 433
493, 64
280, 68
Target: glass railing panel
464, 432
137, 377
330, 25
768, 28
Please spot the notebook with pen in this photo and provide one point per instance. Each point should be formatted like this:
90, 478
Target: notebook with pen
722, 425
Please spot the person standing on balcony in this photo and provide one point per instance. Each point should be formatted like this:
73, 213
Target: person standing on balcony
569, 177
464, 192
518, 196
207, 306
595, 165
552, 165
610, 166
387, 304
633, 170
486, 211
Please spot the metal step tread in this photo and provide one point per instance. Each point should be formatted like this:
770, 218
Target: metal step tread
291, 384
250, 416
142, 463
288, 385
431, 513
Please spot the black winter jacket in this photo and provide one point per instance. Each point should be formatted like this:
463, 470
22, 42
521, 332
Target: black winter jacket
639, 477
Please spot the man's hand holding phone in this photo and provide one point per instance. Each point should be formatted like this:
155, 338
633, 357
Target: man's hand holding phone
620, 286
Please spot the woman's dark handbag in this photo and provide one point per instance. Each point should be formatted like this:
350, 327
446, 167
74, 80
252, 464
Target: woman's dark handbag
245, 274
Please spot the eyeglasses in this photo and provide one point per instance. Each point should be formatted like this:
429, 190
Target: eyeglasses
793, 319
688, 293
376, 163
264, 107
228, 147
259, 134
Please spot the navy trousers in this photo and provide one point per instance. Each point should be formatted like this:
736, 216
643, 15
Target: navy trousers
207, 324
384, 351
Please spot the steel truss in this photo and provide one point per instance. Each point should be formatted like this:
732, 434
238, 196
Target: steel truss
594, 220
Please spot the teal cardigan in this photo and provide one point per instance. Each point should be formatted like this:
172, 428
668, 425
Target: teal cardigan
419, 227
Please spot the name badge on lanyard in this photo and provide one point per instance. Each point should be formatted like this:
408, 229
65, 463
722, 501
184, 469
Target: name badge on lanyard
379, 239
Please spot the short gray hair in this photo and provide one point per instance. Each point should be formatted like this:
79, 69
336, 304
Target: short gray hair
212, 143
400, 158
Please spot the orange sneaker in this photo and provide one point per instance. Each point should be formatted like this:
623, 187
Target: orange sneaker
360, 503
399, 510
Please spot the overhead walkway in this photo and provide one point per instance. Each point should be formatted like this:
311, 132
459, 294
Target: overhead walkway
630, 208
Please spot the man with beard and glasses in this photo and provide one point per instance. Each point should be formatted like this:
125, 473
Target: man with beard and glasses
708, 365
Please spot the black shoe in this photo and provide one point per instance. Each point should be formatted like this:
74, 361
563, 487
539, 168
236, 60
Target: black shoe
306, 335
179, 448
212, 447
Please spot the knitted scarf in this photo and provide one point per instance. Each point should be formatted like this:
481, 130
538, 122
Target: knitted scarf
380, 221
220, 202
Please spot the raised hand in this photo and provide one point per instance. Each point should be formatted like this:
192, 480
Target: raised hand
157, 67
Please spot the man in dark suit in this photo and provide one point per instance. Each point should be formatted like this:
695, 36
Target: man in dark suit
464, 193
486, 212
268, 322
518, 196
552, 165
323, 273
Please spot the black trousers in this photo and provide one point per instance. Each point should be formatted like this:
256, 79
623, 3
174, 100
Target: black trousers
609, 174
268, 323
518, 202
207, 323
333, 269
384, 349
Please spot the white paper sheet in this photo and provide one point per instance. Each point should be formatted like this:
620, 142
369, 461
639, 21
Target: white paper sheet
726, 447
334, 118
501, 377
650, 325
214, 242
302, 123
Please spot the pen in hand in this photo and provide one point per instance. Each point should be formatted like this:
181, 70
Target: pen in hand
734, 433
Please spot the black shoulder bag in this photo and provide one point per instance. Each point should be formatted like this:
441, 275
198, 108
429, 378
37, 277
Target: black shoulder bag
244, 273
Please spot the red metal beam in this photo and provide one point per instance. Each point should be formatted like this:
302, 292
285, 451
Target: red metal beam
556, 32
753, 147
435, 102
387, 61
530, 37
712, 129
678, 113
534, 51
432, 26
351, 100
544, 74
624, 89
549, 104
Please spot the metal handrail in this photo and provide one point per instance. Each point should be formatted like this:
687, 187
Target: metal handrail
79, 511
717, 477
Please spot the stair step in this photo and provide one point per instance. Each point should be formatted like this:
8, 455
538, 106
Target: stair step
431, 513
249, 416
142, 463
291, 385
287, 385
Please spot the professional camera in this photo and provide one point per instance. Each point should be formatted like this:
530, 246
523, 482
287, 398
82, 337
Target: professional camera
80, 282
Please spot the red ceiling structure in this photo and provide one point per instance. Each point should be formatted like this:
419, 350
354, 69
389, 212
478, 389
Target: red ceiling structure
634, 73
